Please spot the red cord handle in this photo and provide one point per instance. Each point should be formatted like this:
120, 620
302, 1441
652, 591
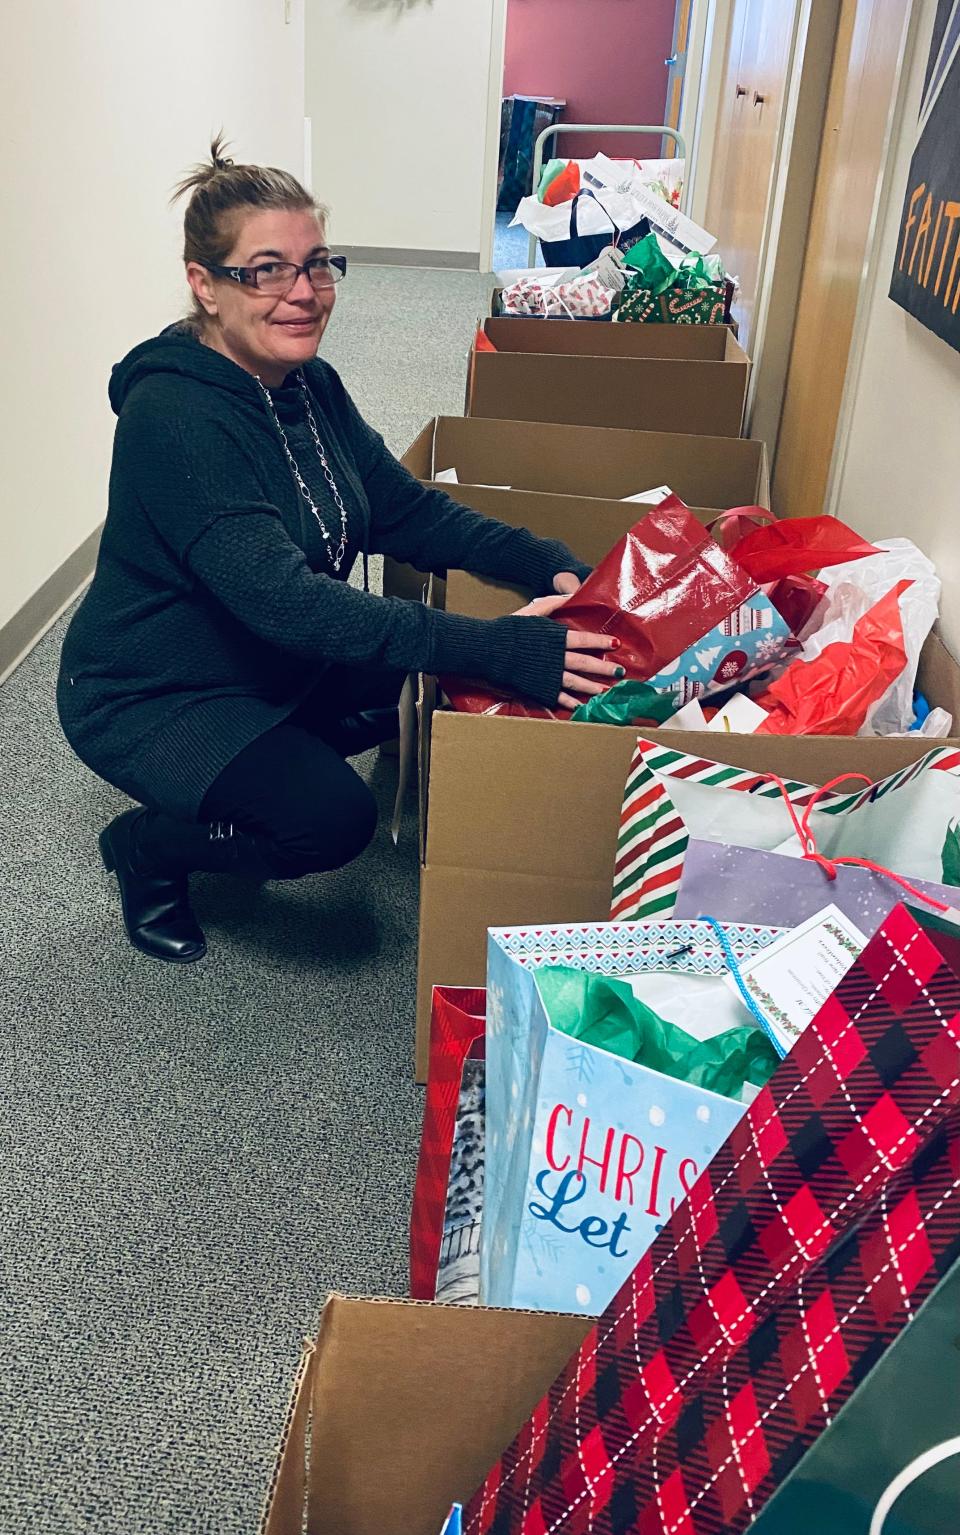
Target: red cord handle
801, 826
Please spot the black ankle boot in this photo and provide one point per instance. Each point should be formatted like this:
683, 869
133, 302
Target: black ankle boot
228, 850
156, 906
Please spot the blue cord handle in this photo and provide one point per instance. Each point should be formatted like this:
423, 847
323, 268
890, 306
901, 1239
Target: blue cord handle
734, 969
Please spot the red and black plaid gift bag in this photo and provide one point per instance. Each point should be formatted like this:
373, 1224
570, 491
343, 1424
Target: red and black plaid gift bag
819, 1228
457, 1023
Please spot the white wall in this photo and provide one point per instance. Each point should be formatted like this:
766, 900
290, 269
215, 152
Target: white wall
398, 94
899, 475
104, 104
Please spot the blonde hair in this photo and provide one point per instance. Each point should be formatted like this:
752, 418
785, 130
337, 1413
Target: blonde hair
220, 193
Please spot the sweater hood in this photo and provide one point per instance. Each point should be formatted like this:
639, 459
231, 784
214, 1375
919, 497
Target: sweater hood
177, 350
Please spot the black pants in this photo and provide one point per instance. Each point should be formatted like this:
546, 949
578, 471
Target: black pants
300, 806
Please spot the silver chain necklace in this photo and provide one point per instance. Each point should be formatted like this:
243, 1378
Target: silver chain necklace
336, 559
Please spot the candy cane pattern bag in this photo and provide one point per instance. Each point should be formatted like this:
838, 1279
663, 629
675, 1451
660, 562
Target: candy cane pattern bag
907, 822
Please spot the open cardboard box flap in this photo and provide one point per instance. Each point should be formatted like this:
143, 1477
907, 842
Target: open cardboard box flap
400, 1408
575, 472
585, 338
593, 461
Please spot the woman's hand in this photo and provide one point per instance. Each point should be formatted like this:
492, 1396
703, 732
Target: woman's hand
566, 583
585, 671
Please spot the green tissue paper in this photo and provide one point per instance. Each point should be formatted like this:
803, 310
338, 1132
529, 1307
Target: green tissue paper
601, 1011
627, 703
549, 173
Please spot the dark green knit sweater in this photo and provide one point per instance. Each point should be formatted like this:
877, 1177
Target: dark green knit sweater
214, 610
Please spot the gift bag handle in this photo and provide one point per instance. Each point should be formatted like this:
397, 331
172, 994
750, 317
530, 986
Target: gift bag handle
574, 227
758, 514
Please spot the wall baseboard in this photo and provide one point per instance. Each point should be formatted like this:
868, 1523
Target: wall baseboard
40, 612
387, 255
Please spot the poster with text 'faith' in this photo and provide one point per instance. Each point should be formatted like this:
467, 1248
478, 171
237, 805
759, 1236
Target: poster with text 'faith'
926, 273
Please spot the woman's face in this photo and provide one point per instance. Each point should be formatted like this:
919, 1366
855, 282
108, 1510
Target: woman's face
268, 334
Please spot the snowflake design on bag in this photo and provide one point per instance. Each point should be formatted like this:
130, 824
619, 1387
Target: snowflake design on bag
495, 1010
540, 1246
769, 649
581, 1063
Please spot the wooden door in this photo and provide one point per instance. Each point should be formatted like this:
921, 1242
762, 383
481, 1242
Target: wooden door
722, 204
755, 87
862, 85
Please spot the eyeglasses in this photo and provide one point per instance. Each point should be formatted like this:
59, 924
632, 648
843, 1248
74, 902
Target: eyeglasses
280, 276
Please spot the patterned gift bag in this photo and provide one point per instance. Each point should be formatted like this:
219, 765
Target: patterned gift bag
694, 301
445, 1217
906, 822
583, 297
742, 884
823, 1223
704, 307
588, 1151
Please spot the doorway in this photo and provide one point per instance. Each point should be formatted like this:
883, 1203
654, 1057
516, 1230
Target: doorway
582, 61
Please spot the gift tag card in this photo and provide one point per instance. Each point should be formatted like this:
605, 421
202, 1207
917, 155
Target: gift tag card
690, 717
740, 716
792, 979
669, 221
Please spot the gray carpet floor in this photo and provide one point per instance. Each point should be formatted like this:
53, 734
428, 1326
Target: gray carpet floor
190, 1159
511, 247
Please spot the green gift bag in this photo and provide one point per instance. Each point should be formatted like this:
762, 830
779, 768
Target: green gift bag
651, 275
889, 1463
694, 293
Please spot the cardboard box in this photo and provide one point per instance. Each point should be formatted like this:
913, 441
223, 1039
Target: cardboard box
669, 378
519, 818
588, 463
400, 1408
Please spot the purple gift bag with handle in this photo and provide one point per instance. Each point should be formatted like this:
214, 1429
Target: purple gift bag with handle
745, 884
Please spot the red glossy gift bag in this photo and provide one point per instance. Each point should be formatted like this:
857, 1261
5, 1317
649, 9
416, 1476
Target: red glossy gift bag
664, 586
457, 1026
823, 1223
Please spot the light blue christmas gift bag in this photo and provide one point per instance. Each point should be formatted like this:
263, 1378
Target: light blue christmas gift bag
588, 1149
753, 636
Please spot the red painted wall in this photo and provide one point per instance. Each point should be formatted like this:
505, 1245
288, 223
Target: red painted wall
604, 56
